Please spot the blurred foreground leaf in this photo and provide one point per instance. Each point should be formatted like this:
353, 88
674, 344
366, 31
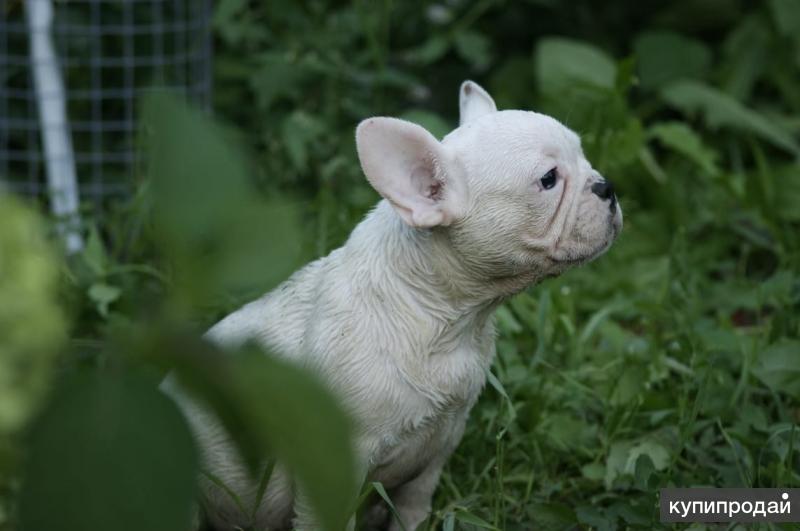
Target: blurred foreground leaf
31, 324
274, 408
109, 452
222, 240
220, 237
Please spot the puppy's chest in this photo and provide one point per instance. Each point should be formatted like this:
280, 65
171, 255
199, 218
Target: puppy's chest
452, 376
453, 384
427, 415
404, 453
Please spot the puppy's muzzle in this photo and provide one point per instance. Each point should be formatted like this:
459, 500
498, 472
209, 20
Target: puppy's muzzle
605, 190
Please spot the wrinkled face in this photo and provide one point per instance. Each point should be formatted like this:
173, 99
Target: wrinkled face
534, 201
511, 190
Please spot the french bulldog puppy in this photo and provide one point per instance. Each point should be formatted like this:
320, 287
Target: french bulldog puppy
398, 321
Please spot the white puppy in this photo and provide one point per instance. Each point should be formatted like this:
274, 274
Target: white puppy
399, 320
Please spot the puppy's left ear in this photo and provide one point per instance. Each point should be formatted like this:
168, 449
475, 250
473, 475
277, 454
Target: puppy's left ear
412, 170
474, 102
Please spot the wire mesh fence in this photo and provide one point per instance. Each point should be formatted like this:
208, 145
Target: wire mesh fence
107, 53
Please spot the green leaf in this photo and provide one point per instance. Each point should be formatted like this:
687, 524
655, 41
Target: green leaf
462, 515
616, 461
787, 202
277, 77
434, 123
778, 367
643, 469
510, 82
657, 453
226, 17
220, 236
625, 459
630, 384
498, 386
639, 514
257, 396
298, 131
679, 137
109, 452
665, 56
449, 523
651, 165
597, 518
236, 26
562, 63
474, 48
617, 146
746, 49
552, 516
94, 254
266, 475
722, 111
378, 486
103, 295
229, 492
786, 14
565, 431
32, 326
506, 321
593, 471
199, 178
430, 51
317, 448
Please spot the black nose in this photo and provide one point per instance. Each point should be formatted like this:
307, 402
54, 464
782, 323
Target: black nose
603, 189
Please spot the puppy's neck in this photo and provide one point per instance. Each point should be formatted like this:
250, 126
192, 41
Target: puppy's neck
418, 268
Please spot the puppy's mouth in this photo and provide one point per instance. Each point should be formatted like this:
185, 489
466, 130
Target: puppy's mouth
568, 259
571, 261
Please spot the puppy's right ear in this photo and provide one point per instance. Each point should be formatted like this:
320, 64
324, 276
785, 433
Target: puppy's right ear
473, 102
411, 169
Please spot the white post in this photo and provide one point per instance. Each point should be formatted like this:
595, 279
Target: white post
56, 139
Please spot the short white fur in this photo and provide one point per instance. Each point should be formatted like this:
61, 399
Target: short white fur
398, 321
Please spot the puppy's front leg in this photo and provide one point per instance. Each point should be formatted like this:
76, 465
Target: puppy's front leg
413, 499
303, 513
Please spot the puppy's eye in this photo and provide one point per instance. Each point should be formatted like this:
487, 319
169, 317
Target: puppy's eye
549, 179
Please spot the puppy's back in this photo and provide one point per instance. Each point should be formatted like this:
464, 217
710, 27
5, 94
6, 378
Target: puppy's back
278, 321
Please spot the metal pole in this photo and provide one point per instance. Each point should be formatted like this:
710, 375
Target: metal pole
55, 131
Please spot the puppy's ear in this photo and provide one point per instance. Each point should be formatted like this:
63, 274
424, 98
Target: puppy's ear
474, 102
411, 169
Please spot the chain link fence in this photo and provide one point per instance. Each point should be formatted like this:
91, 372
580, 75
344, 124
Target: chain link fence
72, 73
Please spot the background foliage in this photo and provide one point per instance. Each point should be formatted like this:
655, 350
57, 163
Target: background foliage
672, 361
